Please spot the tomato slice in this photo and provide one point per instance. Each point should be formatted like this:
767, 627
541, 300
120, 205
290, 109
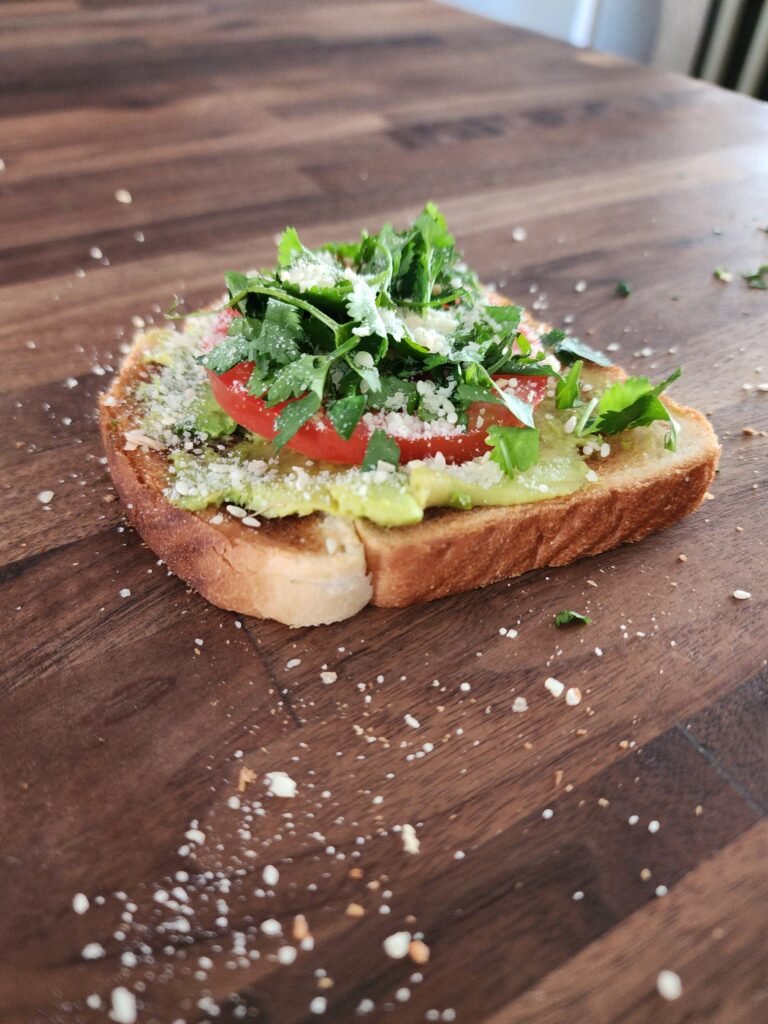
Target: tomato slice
318, 439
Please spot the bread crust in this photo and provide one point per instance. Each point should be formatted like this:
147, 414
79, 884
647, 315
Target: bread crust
320, 569
455, 551
302, 572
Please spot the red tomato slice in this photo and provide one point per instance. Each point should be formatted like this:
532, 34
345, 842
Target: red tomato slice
318, 439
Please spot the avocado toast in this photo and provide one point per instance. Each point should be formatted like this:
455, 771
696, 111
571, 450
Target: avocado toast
366, 423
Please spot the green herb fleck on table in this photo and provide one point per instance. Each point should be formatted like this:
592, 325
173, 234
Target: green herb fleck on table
757, 279
623, 289
570, 618
722, 274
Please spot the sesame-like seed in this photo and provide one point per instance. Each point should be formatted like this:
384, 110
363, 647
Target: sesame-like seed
93, 951
122, 195
80, 903
742, 595
669, 985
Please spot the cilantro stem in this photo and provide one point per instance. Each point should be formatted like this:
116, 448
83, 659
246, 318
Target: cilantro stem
283, 296
584, 417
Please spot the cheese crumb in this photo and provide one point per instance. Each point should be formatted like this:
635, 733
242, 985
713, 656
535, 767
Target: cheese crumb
125, 592
411, 843
318, 1005
742, 595
45, 497
397, 945
519, 704
669, 985
328, 677
554, 686
280, 784
573, 696
411, 721
122, 195
123, 1006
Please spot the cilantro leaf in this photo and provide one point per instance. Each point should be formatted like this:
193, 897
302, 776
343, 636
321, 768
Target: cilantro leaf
394, 390
567, 617
465, 394
568, 349
381, 448
345, 414
307, 373
289, 247
757, 279
567, 388
427, 251
293, 417
232, 350
623, 289
280, 333
520, 409
236, 283
634, 402
514, 448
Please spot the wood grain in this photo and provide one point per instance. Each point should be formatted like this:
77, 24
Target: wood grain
126, 721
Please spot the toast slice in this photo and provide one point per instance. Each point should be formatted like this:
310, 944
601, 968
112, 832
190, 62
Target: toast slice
317, 569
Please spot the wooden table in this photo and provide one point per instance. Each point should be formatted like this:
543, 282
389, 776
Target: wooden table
128, 722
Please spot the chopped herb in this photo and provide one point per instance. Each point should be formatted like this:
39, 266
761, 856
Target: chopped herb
633, 402
757, 279
293, 417
567, 617
722, 274
567, 388
568, 349
345, 414
623, 289
515, 449
232, 350
381, 448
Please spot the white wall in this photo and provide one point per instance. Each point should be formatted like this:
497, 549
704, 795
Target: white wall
559, 18
625, 27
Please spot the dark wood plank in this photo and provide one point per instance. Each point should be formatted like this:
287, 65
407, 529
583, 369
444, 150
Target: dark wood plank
126, 720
